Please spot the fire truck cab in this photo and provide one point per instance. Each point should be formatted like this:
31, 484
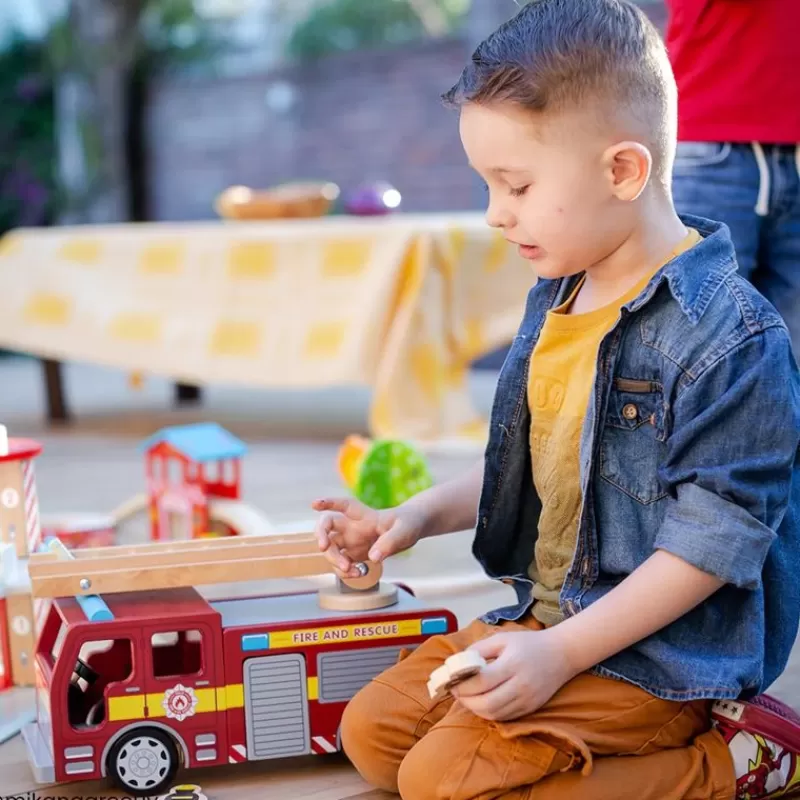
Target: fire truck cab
169, 680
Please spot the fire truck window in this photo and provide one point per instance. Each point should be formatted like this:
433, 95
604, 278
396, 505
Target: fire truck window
177, 653
109, 662
51, 639
59, 642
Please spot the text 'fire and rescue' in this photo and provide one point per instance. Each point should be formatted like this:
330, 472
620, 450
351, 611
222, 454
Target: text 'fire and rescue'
320, 635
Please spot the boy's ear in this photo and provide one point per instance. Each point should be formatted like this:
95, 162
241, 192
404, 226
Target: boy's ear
628, 166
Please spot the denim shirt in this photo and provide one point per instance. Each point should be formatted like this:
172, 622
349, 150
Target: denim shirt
690, 445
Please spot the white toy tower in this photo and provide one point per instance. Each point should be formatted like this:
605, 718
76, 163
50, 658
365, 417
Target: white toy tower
20, 535
19, 505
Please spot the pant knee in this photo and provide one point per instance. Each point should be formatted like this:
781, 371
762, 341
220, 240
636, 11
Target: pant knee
417, 775
366, 741
356, 729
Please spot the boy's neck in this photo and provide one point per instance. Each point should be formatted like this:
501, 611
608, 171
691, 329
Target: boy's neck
647, 247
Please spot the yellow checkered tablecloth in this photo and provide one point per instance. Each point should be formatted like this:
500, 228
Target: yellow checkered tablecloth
402, 304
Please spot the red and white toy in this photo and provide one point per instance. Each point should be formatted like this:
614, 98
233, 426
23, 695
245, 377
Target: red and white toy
20, 535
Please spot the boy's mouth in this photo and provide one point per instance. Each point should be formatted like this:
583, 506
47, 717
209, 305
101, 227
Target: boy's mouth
530, 251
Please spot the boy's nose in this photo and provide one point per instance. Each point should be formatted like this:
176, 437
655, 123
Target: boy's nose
499, 217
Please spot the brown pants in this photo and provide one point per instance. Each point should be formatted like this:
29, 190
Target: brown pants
595, 739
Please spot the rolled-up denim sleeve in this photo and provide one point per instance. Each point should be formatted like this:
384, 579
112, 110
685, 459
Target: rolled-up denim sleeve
731, 458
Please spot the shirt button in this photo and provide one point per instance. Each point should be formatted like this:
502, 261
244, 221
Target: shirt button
630, 411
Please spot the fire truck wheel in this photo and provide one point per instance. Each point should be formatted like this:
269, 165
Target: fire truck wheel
143, 762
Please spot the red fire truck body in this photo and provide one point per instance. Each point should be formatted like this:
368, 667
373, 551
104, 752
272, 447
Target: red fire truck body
176, 680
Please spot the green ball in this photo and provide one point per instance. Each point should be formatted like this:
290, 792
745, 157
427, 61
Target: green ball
390, 473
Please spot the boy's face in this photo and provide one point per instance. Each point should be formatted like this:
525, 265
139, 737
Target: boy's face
552, 183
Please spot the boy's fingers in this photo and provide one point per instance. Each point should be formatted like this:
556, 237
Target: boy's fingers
491, 647
342, 505
393, 541
337, 558
323, 530
494, 674
486, 680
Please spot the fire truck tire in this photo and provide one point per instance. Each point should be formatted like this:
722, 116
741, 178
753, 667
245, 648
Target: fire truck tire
143, 762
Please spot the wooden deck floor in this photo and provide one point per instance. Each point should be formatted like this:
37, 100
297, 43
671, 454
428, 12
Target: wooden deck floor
312, 778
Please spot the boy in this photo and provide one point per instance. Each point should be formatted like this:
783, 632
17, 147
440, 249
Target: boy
639, 485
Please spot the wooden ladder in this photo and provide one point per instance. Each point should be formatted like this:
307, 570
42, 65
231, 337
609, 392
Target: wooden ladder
166, 565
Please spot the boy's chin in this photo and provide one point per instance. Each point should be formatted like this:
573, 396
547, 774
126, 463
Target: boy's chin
551, 270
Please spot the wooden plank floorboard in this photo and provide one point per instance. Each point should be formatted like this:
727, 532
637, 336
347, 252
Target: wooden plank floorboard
312, 778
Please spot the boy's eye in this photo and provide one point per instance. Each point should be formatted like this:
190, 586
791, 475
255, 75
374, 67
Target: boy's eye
518, 192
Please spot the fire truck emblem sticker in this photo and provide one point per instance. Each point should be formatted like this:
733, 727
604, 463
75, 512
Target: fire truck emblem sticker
180, 702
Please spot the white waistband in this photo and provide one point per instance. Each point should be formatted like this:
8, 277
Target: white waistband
762, 203
797, 159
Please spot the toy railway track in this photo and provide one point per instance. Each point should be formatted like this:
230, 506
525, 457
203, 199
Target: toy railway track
168, 565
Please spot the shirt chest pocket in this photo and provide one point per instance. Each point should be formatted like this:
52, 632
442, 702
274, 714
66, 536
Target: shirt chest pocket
633, 439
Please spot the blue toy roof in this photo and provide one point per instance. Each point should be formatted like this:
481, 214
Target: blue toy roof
200, 442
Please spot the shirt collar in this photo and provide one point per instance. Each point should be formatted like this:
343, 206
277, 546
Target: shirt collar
695, 275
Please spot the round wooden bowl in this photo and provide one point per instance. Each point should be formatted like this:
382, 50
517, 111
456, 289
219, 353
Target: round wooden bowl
287, 201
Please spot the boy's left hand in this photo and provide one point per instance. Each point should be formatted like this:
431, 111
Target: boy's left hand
526, 669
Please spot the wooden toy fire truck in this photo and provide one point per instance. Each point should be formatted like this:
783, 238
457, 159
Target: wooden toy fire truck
138, 675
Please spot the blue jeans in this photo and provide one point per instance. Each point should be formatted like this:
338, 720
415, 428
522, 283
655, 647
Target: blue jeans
755, 191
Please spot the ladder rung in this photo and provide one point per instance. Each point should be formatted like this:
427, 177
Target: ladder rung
183, 546
175, 564
111, 576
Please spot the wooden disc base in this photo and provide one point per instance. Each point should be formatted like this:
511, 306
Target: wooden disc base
334, 599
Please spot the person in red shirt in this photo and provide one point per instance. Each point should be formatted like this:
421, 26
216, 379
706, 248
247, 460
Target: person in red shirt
737, 66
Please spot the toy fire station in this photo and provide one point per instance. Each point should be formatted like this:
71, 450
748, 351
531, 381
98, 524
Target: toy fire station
207, 460
138, 675
20, 534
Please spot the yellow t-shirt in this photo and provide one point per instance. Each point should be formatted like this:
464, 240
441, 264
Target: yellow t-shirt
561, 376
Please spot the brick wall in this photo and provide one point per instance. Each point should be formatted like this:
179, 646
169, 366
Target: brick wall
355, 117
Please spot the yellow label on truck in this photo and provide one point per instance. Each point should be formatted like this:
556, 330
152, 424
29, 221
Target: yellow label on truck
361, 632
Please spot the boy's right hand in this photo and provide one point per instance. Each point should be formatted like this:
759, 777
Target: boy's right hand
348, 532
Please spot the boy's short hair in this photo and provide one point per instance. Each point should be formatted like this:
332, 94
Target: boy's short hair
560, 54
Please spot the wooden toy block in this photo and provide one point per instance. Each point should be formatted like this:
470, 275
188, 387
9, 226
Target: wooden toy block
21, 638
455, 669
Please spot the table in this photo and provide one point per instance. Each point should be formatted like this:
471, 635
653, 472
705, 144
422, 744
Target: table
403, 304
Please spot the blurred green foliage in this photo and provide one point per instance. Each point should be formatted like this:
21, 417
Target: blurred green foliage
173, 35
27, 136
335, 26
169, 34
